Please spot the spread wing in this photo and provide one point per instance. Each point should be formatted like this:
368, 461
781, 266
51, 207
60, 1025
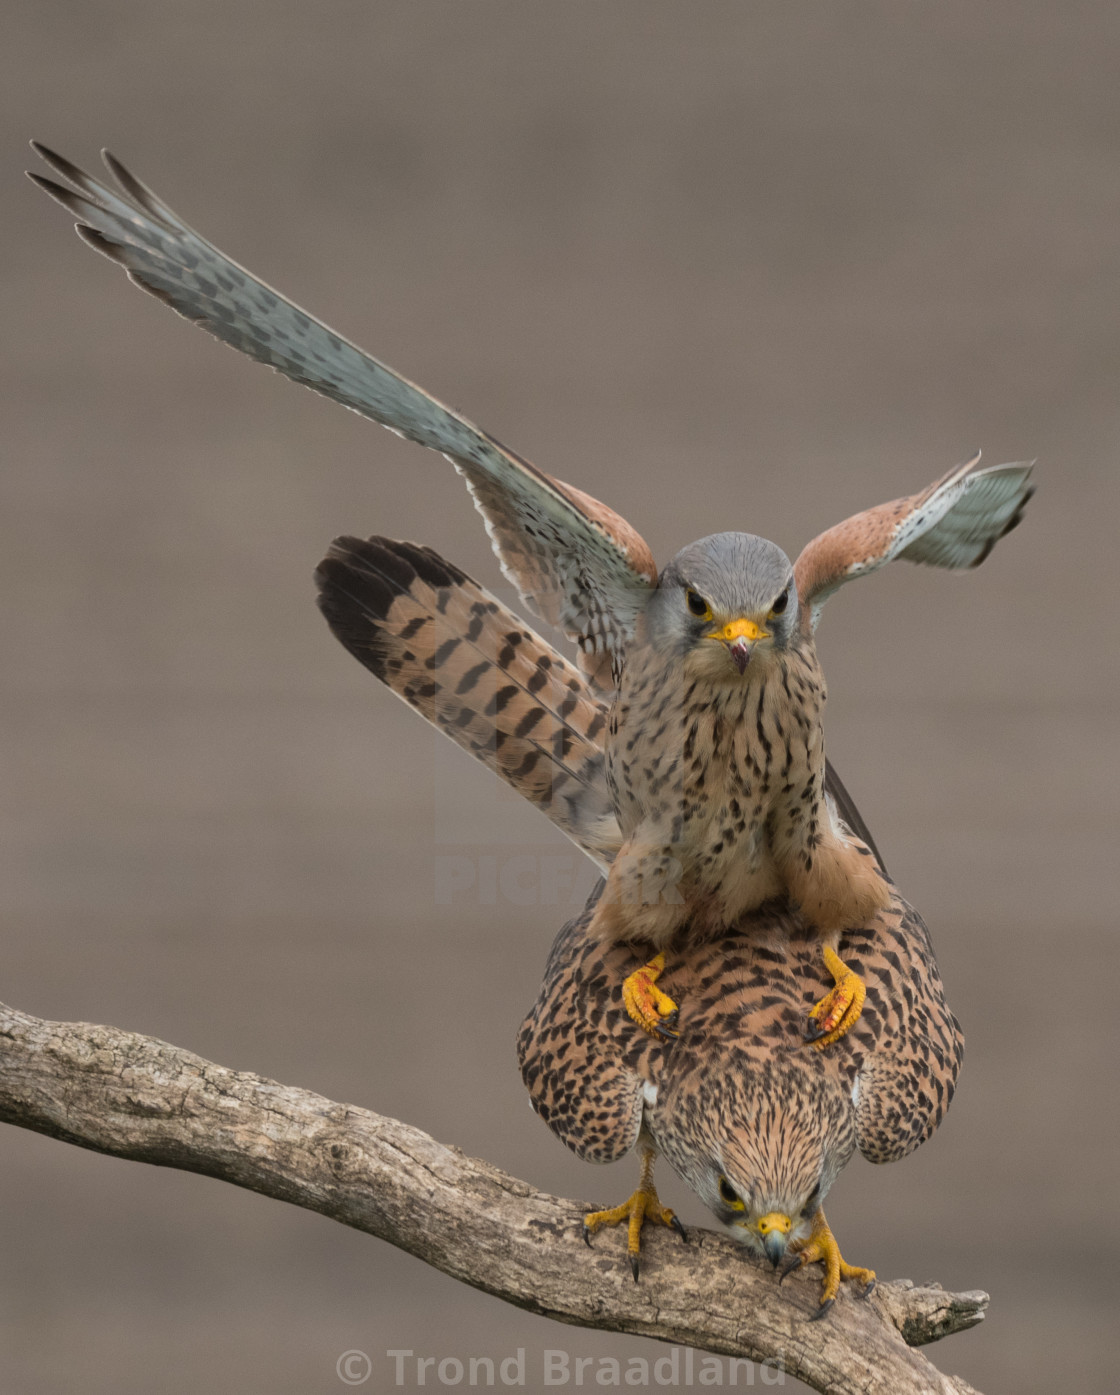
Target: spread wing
953, 523
574, 561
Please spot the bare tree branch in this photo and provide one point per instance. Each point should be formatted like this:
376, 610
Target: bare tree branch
137, 1097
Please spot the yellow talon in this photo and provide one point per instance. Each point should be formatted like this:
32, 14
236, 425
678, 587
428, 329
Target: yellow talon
653, 1011
643, 1205
839, 1010
821, 1246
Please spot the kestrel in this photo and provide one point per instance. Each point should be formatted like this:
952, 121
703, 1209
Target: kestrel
714, 755
755, 1123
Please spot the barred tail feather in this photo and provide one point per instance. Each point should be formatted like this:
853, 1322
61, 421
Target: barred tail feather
471, 667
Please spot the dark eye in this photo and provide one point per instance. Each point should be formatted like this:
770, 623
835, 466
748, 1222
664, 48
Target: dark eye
697, 604
728, 1192
781, 603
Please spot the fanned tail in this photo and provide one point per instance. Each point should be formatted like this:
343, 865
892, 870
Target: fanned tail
471, 667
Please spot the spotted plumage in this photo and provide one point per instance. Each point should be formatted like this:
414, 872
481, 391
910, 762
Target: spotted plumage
738, 1096
718, 776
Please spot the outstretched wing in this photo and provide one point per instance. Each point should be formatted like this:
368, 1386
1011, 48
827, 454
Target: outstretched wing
954, 523
574, 561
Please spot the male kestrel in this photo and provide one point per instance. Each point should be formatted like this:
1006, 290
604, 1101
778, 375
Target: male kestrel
714, 756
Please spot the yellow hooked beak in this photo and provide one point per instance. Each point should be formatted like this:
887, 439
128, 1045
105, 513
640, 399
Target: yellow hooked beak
741, 629
739, 635
774, 1229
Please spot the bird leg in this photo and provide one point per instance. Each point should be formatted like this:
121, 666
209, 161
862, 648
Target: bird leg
838, 1011
821, 1245
653, 1011
644, 1205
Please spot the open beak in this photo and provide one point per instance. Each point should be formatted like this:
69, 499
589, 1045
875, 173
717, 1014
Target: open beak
774, 1229
739, 636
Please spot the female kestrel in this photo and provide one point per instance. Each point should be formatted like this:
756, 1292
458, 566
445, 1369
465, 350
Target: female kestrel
714, 755
758, 1125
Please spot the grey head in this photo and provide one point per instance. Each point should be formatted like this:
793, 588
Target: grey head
723, 603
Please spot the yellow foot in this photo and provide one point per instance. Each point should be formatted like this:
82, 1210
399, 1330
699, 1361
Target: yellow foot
821, 1245
838, 1011
653, 1011
644, 1205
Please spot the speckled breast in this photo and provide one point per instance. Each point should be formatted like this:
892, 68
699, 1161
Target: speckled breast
706, 768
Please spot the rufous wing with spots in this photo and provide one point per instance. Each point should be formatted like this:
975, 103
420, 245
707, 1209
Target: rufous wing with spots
953, 523
906, 1081
575, 562
578, 1050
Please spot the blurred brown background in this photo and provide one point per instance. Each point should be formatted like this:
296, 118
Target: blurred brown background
723, 265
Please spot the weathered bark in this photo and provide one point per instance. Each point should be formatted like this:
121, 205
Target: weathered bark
137, 1097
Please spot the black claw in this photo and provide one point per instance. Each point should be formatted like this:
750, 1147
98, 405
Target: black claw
634, 1266
587, 1236
664, 1029
814, 1031
791, 1263
869, 1290
679, 1228
822, 1310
